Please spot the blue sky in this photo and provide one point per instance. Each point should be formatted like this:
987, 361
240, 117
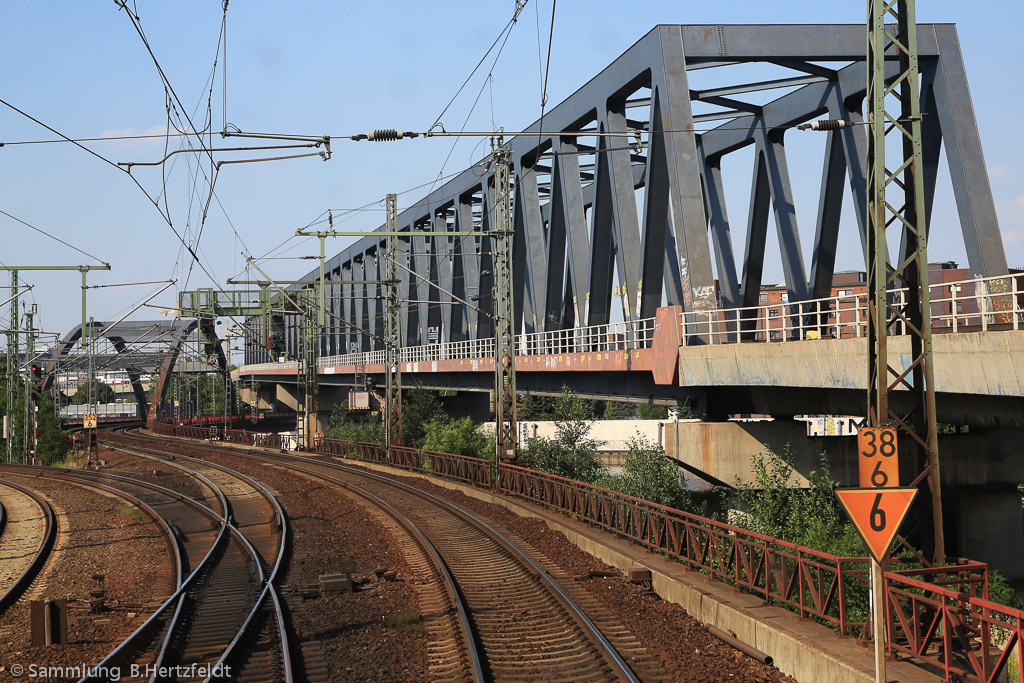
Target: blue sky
330, 68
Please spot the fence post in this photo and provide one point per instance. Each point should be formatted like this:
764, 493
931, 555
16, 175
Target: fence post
842, 598
800, 579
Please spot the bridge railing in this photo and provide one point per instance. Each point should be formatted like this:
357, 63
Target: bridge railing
620, 336
978, 304
358, 358
287, 365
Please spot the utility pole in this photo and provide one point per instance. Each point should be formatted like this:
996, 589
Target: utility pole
504, 318
392, 318
886, 373
392, 333
902, 118
31, 385
13, 359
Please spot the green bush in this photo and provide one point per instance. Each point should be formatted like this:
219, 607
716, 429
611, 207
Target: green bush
461, 437
419, 407
777, 506
570, 454
650, 411
619, 410
536, 408
352, 426
648, 474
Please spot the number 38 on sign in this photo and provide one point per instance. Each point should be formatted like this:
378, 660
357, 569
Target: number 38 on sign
877, 457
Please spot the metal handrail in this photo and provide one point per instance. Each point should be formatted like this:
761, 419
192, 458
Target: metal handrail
978, 304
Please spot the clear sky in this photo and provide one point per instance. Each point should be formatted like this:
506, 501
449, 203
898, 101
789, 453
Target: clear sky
339, 68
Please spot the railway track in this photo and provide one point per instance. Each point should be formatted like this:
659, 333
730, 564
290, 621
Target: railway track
221, 616
27, 534
195, 633
524, 626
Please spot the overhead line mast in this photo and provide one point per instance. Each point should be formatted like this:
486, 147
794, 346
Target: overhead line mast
888, 375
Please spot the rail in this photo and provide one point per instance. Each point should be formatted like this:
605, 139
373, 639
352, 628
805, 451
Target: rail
447, 465
266, 582
957, 629
812, 583
19, 586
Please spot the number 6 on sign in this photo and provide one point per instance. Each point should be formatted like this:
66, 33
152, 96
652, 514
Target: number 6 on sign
877, 457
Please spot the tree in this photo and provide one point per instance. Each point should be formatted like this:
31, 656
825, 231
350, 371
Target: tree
461, 437
419, 406
536, 407
571, 453
52, 445
101, 393
649, 474
619, 410
651, 411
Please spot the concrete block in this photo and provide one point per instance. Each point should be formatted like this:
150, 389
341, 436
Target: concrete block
335, 584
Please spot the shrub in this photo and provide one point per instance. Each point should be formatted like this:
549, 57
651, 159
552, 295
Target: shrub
345, 424
461, 437
419, 407
618, 410
812, 517
570, 454
650, 411
648, 474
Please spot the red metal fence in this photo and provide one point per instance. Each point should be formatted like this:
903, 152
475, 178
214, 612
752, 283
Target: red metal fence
447, 465
940, 617
811, 583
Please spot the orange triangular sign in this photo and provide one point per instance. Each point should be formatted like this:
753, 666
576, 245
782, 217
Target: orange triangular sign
877, 513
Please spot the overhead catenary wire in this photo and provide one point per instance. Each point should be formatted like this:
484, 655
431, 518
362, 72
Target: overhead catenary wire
54, 237
436, 133
114, 165
507, 28
547, 71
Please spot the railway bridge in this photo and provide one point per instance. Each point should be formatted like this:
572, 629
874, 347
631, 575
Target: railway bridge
626, 280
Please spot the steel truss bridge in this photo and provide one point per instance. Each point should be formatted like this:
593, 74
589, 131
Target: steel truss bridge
136, 347
637, 222
604, 223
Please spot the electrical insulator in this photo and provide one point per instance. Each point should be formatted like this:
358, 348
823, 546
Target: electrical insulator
385, 135
825, 124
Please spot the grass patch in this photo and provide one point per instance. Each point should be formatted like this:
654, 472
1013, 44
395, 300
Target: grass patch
406, 623
129, 512
93, 499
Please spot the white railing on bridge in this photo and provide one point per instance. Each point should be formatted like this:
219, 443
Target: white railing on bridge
973, 305
969, 305
620, 336
287, 365
101, 409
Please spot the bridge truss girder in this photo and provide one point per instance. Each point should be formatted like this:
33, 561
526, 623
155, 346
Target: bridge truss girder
580, 227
